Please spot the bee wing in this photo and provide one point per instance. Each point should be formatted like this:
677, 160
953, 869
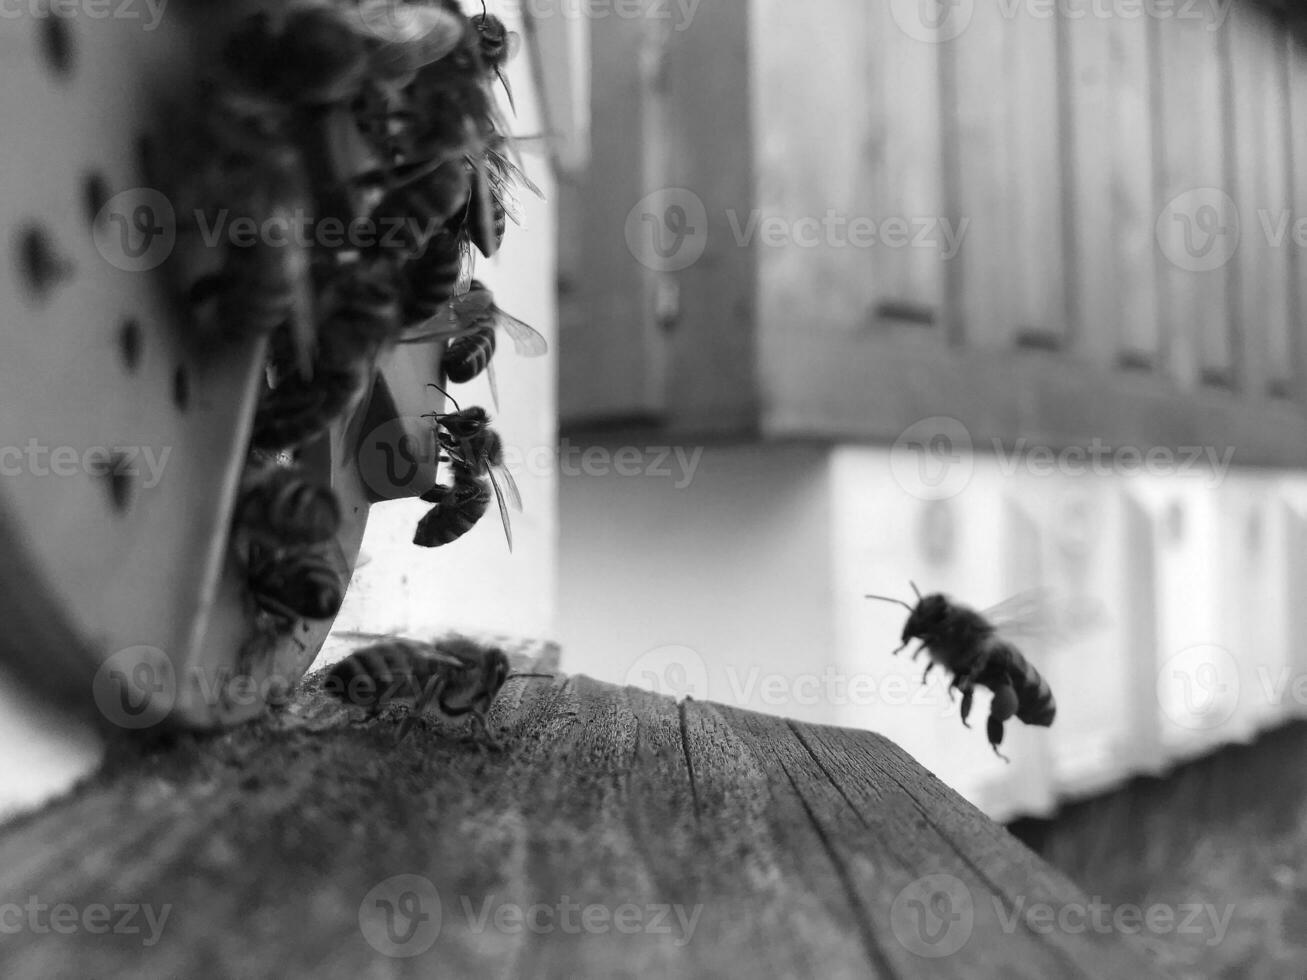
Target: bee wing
409, 36
494, 384
512, 45
1037, 615
510, 173
503, 509
508, 89
528, 341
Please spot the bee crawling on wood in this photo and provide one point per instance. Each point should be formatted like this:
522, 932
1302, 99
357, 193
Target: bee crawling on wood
455, 675
969, 644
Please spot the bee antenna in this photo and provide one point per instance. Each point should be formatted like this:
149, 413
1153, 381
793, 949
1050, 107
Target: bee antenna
432, 384
885, 598
915, 590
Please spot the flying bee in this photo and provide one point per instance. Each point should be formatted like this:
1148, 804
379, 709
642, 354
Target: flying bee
467, 356
969, 645
279, 505
455, 675
293, 584
497, 46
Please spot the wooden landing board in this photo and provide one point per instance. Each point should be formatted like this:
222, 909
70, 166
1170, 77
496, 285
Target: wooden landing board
617, 834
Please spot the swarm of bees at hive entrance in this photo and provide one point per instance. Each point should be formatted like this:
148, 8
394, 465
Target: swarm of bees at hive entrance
455, 676
362, 139
972, 647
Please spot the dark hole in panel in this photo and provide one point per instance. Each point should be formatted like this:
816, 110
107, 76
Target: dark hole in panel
40, 266
57, 43
118, 473
130, 340
181, 388
95, 195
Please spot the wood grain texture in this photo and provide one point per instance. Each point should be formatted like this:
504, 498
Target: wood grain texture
788, 849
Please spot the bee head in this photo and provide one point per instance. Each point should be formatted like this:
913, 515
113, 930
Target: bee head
925, 617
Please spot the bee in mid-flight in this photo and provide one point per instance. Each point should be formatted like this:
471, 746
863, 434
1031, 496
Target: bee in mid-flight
455, 675
969, 645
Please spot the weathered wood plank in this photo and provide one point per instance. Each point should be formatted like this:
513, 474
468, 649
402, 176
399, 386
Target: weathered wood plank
618, 834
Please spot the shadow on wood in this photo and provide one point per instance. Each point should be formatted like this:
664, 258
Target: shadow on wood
617, 834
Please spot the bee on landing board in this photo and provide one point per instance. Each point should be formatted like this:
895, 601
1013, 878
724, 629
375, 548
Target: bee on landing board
455, 675
969, 645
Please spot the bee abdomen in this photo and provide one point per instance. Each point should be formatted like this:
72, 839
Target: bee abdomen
291, 509
466, 357
457, 510
1035, 702
306, 584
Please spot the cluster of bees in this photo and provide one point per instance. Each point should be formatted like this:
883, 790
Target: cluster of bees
456, 676
379, 116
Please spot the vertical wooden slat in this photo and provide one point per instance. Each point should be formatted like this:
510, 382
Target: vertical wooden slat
606, 327
1297, 86
1260, 147
1007, 174
703, 91
1111, 229
1196, 300
1139, 617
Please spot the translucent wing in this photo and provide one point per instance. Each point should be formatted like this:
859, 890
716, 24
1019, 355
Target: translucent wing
409, 36
510, 486
503, 509
1040, 616
494, 383
528, 341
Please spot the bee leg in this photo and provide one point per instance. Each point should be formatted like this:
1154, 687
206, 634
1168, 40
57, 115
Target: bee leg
487, 739
419, 709
968, 693
994, 728
898, 649
918, 650
926, 673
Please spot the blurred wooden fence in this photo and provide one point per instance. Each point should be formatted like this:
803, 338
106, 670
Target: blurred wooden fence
1059, 221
